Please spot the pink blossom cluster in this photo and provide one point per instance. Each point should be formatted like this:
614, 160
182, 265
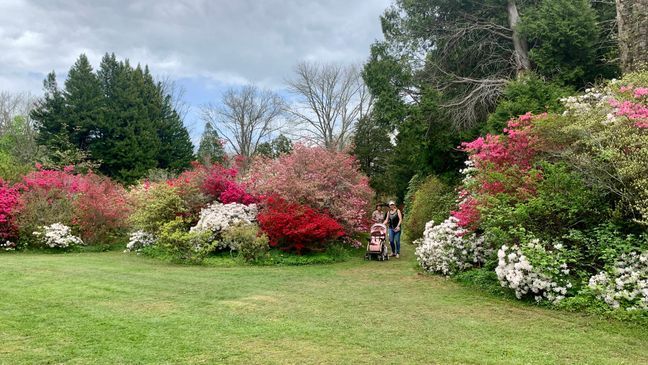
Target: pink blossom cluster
100, 205
328, 181
636, 111
515, 148
502, 165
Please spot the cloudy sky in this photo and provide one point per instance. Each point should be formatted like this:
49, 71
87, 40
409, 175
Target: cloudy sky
204, 45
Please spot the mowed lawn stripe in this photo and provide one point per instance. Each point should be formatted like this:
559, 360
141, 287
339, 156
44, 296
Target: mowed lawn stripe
106, 308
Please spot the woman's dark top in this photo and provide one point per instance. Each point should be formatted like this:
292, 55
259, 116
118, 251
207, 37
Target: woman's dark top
394, 220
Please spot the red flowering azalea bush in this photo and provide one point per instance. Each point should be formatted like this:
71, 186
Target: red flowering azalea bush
327, 181
93, 206
297, 227
101, 208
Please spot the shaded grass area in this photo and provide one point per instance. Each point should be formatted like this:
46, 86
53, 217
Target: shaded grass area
106, 308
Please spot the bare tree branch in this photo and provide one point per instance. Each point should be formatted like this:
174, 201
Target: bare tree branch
245, 118
331, 98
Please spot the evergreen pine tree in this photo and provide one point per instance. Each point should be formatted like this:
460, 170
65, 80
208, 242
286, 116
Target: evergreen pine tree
275, 148
84, 100
176, 150
50, 116
211, 148
129, 144
120, 115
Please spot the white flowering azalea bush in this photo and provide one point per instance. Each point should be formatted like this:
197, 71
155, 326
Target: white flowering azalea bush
139, 240
447, 248
532, 270
57, 235
626, 284
218, 218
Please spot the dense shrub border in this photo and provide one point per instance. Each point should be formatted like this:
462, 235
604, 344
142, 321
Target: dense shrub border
561, 201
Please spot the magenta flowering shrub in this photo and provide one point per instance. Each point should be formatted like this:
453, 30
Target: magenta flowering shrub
498, 164
221, 184
9, 199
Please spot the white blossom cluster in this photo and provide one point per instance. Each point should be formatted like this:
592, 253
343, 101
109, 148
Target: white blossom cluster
58, 235
447, 248
218, 217
138, 240
516, 272
7, 246
626, 285
583, 104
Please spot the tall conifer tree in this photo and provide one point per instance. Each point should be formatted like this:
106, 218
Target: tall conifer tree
211, 148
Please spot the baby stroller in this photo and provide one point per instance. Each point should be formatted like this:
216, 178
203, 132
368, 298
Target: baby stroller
377, 247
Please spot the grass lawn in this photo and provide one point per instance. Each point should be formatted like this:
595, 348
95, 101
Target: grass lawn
113, 308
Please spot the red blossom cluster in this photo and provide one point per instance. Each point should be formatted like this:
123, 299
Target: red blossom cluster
297, 227
327, 181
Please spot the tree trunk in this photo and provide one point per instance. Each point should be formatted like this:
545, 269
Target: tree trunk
632, 18
519, 42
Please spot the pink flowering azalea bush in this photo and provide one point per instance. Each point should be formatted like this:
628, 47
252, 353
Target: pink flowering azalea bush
498, 164
327, 181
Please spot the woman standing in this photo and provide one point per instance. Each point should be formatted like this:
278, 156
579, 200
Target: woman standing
394, 218
378, 216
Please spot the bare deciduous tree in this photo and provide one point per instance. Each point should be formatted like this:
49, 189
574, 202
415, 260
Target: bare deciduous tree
16, 127
330, 100
245, 118
13, 105
468, 50
177, 93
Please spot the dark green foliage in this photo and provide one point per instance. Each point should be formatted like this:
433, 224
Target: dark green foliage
565, 40
50, 115
372, 147
119, 116
602, 245
387, 78
562, 203
211, 147
279, 146
84, 102
527, 94
426, 144
432, 200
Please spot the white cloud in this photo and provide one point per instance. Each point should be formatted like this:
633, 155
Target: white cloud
228, 42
